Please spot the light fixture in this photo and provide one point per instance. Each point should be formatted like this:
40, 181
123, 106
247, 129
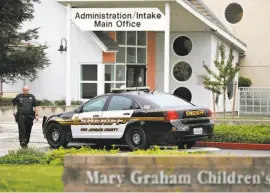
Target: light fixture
62, 48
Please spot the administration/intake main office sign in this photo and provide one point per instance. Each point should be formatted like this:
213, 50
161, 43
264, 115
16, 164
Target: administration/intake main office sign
118, 19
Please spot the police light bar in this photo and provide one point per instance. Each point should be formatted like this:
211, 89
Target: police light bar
115, 90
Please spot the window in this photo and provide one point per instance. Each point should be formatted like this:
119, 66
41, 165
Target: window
132, 47
183, 93
120, 103
234, 13
96, 104
182, 71
166, 100
88, 81
115, 76
182, 46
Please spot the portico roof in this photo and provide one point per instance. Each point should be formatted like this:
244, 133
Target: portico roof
197, 8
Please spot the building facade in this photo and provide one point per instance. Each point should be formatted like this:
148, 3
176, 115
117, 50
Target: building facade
95, 61
248, 20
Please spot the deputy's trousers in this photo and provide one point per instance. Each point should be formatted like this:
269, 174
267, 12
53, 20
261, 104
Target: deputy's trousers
25, 124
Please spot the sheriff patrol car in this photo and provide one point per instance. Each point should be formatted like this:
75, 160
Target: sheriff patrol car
137, 117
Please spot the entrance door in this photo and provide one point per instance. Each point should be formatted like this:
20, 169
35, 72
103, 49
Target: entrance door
136, 76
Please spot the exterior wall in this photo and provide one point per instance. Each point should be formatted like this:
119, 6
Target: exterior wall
50, 16
84, 51
201, 51
253, 30
51, 82
229, 102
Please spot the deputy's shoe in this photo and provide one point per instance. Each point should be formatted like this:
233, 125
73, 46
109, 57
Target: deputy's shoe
23, 145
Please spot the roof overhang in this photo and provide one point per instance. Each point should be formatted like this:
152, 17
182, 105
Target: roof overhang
212, 25
105, 42
219, 31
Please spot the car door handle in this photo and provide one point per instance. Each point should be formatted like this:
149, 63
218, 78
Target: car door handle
95, 115
126, 114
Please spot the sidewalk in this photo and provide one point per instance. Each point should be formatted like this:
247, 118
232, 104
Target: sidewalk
9, 137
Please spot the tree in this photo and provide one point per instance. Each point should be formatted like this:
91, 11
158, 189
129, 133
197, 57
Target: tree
19, 60
218, 80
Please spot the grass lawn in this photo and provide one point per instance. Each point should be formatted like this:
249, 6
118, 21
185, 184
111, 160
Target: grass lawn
31, 178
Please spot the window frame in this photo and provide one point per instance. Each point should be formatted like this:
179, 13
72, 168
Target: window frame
81, 64
115, 95
133, 46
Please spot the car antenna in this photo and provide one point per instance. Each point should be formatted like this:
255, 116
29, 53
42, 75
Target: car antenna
154, 89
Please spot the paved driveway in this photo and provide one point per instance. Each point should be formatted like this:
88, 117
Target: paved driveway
9, 141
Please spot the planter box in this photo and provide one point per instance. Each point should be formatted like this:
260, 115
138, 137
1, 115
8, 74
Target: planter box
165, 173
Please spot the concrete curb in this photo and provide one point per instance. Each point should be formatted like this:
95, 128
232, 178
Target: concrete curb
239, 146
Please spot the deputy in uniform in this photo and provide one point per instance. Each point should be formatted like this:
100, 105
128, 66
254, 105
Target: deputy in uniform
26, 113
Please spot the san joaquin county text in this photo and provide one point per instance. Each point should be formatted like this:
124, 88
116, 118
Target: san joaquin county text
121, 19
203, 177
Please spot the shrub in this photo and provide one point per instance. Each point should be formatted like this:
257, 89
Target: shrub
56, 157
157, 151
76, 102
24, 156
53, 157
45, 102
259, 134
5, 101
60, 103
244, 82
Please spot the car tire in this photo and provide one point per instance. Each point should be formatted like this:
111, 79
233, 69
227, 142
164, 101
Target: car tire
135, 138
55, 136
186, 145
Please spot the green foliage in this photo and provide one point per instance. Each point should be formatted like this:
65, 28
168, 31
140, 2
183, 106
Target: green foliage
60, 103
19, 60
5, 101
259, 134
226, 71
31, 178
218, 80
76, 102
45, 102
244, 82
157, 151
24, 156
56, 157
53, 157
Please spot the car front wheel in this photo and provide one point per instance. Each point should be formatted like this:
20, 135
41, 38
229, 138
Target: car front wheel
136, 138
55, 136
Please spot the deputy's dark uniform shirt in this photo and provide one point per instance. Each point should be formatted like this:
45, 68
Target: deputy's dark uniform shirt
25, 103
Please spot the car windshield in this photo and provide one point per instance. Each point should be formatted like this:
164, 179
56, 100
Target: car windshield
166, 100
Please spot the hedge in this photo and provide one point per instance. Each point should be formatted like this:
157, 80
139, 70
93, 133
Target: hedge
258, 134
31, 156
7, 101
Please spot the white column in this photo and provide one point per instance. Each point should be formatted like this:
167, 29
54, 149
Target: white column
167, 49
68, 74
100, 84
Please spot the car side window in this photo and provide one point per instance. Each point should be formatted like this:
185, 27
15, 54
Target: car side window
95, 104
120, 103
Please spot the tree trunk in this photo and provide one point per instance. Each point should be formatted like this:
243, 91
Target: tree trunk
224, 105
